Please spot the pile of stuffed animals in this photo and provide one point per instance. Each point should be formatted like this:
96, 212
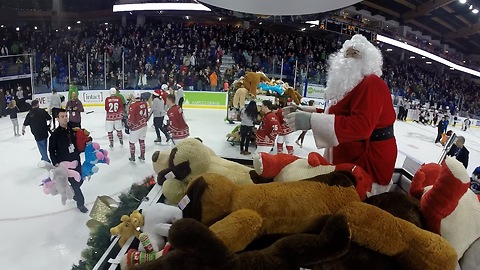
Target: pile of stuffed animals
290, 212
254, 83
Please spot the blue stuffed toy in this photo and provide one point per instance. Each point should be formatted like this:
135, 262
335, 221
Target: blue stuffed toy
278, 89
93, 155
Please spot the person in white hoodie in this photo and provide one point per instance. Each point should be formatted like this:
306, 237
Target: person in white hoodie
158, 111
179, 96
55, 105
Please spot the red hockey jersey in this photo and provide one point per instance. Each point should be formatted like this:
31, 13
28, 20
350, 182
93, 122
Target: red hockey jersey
114, 108
163, 95
284, 128
137, 115
268, 128
176, 123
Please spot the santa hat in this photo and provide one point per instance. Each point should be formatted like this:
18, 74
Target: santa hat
113, 91
269, 166
164, 87
450, 208
157, 93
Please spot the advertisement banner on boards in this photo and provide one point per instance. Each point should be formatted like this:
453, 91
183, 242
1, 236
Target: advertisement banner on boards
315, 91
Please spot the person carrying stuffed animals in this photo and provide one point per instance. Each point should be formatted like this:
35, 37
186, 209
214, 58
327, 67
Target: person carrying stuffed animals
114, 109
63, 147
267, 132
358, 125
285, 133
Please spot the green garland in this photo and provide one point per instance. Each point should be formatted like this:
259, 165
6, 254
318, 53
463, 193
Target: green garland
99, 240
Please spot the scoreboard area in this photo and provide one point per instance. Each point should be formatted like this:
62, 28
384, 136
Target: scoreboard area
346, 29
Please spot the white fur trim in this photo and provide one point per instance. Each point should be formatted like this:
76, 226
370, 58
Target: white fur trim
457, 169
379, 189
462, 227
300, 169
257, 163
323, 127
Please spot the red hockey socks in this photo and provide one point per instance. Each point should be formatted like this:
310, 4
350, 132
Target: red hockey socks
279, 148
290, 149
132, 149
110, 137
142, 148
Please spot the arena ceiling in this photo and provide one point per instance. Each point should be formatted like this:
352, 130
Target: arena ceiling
450, 21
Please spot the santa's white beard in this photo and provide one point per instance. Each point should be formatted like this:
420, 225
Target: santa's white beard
343, 75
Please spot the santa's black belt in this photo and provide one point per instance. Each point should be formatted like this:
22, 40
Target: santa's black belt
382, 134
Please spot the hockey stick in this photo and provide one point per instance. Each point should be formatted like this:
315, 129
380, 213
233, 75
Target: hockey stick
447, 147
89, 112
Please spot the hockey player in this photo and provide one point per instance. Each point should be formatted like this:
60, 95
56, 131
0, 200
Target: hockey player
137, 122
267, 132
114, 108
176, 123
285, 134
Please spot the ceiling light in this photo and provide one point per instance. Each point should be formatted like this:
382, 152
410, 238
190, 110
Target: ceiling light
428, 63
303, 29
260, 23
106, 23
462, 1
79, 22
446, 51
317, 22
220, 19
389, 50
186, 17
475, 11
69, 27
2, 26
56, 30
18, 29
470, 7
412, 57
35, 28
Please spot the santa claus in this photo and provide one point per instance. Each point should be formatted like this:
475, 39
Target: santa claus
357, 127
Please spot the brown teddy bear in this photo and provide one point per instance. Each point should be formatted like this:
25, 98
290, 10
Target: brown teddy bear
294, 95
251, 81
128, 227
191, 158
238, 214
195, 246
239, 98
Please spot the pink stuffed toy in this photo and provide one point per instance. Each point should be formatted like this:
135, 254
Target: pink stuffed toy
286, 168
58, 183
449, 206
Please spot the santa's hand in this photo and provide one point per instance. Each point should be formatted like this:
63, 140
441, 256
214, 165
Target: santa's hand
299, 120
290, 109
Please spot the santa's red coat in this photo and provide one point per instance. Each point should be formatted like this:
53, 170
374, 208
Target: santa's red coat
346, 128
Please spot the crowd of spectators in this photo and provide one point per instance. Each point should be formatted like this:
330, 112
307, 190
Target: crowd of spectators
168, 52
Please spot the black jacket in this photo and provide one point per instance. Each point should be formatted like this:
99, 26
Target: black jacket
461, 156
37, 120
60, 140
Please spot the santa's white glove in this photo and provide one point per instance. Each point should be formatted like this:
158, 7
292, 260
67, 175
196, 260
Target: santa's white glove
290, 109
299, 120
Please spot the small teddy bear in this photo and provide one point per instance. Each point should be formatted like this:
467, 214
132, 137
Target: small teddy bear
128, 227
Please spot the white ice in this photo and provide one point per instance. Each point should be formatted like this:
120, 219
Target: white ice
40, 233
